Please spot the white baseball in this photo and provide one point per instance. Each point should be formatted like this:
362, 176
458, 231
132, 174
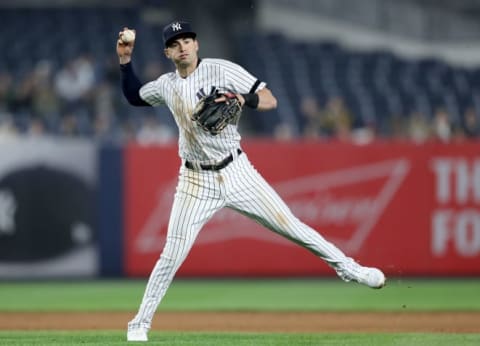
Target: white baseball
128, 36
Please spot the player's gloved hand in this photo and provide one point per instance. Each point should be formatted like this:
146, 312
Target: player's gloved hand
215, 111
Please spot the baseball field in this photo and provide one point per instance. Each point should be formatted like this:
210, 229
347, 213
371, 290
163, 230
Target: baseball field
245, 312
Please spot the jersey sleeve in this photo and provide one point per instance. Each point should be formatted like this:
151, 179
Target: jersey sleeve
240, 80
152, 92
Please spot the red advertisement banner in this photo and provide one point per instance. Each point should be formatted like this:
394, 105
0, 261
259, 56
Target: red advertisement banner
408, 209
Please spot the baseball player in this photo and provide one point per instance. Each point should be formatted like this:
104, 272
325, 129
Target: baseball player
215, 171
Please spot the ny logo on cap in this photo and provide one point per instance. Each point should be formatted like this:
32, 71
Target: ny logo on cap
176, 26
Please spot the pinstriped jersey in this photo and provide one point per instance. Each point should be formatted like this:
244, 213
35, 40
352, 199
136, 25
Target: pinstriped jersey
181, 95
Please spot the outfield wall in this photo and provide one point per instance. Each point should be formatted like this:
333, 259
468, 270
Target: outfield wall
47, 208
409, 209
74, 209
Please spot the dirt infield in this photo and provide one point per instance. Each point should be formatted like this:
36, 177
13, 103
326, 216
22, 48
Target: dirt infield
307, 322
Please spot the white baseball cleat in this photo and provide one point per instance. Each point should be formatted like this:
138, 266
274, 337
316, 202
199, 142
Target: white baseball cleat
372, 277
139, 334
352, 271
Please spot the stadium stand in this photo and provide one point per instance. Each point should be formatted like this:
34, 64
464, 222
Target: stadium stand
59, 76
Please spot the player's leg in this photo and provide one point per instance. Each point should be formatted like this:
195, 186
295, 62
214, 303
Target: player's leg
196, 200
251, 195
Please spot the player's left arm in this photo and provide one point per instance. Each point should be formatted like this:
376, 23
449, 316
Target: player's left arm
266, 100
249, 90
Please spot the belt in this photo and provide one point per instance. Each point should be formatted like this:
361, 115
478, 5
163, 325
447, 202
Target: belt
216, 167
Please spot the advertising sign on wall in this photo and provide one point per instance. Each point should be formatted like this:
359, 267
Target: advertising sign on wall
408, 209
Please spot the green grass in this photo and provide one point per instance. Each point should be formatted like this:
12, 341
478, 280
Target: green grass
105, 338
244, 295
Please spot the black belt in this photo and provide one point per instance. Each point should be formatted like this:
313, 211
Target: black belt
216, 167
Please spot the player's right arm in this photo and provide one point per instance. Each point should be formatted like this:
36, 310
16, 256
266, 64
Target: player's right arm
124, 50
130, 83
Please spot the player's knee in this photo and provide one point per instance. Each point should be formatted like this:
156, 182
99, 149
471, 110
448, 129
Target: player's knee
176, 248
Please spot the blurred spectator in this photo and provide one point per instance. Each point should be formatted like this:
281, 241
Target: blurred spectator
6, 92
104, 129
23, 95
470, 123
312, 116
45, 102
7, 127
69, 126
74, 83
152, 131
363, 135
418, 127
441, 126
103, 99
128, 131
283, 132
110, 72
397, 127
36, 128
336, 119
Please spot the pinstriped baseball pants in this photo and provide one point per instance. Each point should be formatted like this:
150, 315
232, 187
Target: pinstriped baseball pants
198, 196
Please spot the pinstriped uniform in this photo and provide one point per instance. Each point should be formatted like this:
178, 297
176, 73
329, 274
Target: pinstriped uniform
200, 193
182, 94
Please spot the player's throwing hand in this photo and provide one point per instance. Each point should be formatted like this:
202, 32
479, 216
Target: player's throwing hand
125, 46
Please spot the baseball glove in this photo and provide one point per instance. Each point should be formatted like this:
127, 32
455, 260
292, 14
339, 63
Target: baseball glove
215, 116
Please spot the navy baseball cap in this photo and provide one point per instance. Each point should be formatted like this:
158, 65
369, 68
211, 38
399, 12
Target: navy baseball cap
176, 29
